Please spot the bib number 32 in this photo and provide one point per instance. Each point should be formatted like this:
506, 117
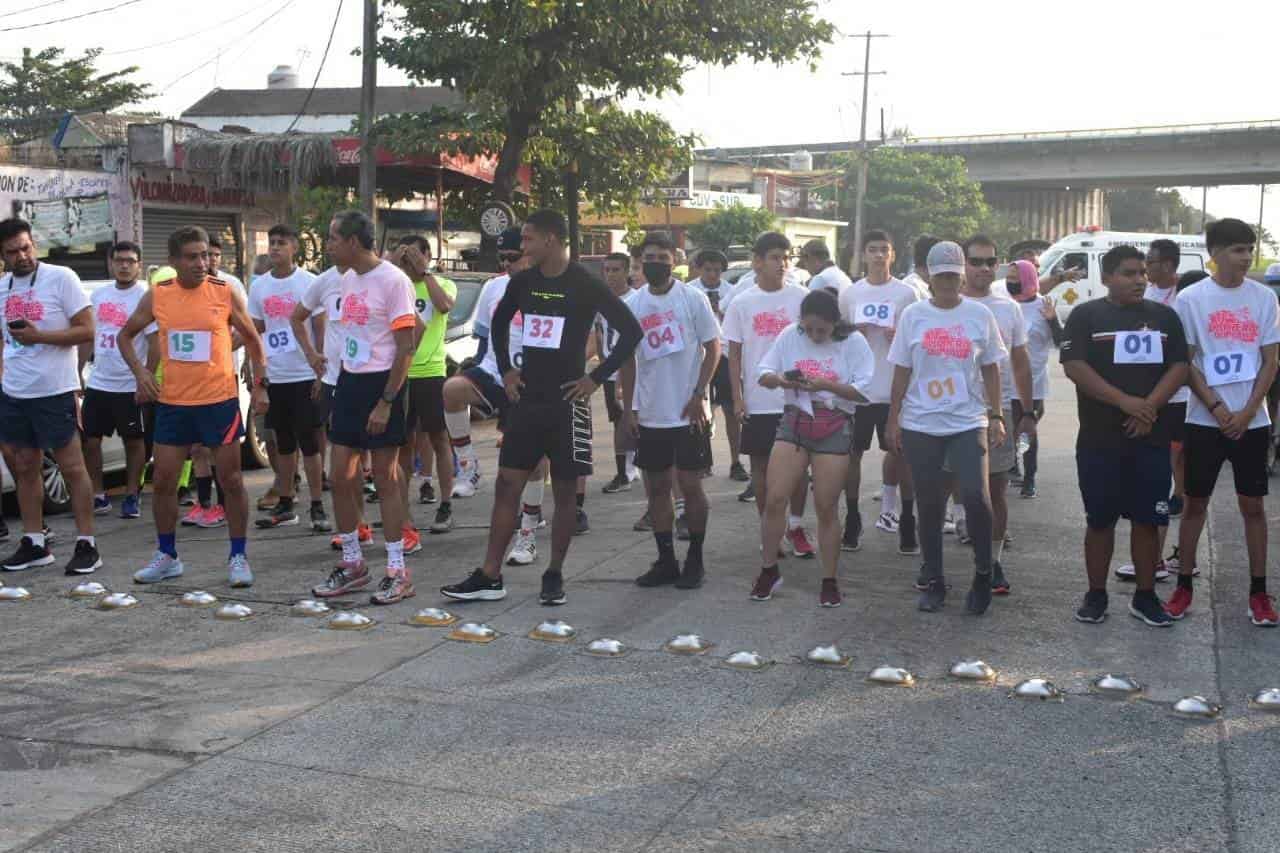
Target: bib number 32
542, 332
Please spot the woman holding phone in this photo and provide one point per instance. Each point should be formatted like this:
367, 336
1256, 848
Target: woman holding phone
824, 366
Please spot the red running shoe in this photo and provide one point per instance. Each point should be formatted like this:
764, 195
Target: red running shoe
798, 539
1262, 611
1180, 602
830, 595
766, 584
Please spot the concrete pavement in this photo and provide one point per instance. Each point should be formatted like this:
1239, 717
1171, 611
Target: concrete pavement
163, 729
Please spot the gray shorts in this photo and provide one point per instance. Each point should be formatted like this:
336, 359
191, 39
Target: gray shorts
1001, 457
838, 443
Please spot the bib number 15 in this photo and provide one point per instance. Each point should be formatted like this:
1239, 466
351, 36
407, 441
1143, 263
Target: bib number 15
189, 346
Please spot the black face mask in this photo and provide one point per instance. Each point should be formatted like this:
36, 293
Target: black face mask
657, 273
1014, 287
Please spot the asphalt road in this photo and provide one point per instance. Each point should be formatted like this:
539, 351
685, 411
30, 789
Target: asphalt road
160, 728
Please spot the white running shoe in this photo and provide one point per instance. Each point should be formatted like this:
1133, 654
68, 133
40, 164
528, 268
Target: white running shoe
949, 525
525, 551
1128, 573
888, 522
468, 481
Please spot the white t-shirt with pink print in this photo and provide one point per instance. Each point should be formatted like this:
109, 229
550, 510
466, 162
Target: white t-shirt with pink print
754, 319
374, 305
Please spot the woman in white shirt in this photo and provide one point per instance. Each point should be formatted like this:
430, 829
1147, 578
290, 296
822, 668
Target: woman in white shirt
946, 356
1044, 332
824, 367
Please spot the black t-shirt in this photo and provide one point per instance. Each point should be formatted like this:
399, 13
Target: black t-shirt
1094, 334
557, 315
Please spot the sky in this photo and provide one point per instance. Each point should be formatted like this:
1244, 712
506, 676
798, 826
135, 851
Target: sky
951, 69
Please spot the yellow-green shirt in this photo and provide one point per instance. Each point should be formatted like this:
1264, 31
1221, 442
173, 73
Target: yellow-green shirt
429, 359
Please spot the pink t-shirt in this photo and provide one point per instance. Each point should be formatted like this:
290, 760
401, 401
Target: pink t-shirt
372, 306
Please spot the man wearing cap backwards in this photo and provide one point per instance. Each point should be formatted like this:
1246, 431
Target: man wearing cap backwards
946, 354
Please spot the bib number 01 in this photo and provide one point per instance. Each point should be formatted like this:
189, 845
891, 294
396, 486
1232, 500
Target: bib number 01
1144, 347
944, 392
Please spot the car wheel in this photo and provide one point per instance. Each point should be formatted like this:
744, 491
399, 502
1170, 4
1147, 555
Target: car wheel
57, 497
253, 451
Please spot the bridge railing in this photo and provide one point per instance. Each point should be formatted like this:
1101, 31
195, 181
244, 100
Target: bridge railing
1091, 133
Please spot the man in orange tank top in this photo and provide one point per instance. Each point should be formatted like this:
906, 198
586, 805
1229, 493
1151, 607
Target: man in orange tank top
198, 399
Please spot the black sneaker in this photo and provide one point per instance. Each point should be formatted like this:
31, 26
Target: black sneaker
907, 543
477, 587
1147, 607
552, 589
682, 527
691, 577
979, 597
4, 530
620, 483
279, 517
852, 539
999, 583
933, 597
28, 556
1094, 609
426, 493
444, 518
85, 561
583, 524
739, 474
660, 574
748, 495
319, 520
1029, 489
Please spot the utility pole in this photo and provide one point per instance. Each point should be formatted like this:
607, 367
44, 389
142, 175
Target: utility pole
1262, 200
572, 193
863, 152
368, 107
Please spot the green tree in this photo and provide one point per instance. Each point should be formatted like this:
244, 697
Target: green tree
735, 225
519, 65
1152, 210
37, 91
313, 209
912, 193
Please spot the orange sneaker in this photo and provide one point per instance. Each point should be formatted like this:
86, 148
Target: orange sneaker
412, 541
365, 537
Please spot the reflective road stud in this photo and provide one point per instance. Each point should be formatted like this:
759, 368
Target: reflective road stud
973, 670
308, 607
14, 593
1196, 707
1121, 686
751, 661
556, 631
198, 598
1266, 700
233, 612
893, 676
1038, 688
433, 617
472, 632
606, 648
827, 656
87, 589
117, 601
687, 644
349, 621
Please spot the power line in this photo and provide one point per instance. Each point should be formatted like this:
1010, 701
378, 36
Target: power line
90, 13
37, 6
315, 82
183, 37
217, 55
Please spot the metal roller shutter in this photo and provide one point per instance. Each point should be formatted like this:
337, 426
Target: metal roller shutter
158, 224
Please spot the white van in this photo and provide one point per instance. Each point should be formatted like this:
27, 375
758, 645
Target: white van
1084, 251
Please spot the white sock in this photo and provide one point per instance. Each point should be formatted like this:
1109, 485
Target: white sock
997, 549
794, 521
958, 512
93, 543
395, 557
889, 499
458, 423
350, 547
679, 506
533, 492
37, 539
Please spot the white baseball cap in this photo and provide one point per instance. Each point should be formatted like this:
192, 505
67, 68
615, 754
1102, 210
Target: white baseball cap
1272, 275
946, 257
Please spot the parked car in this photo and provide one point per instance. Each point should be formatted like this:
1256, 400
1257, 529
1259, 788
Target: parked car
459, 345
57, 497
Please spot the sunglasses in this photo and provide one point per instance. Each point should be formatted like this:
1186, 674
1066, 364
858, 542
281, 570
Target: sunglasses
509, 257
985, 262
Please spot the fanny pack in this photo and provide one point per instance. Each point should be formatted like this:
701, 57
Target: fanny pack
819, 426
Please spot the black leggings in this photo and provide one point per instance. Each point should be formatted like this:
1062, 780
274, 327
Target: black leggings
1030, 459
965, 455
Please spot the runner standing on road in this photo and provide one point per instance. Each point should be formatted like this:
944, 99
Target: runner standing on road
616, 267
873, 306
199, 397
47, 316
110, 399
981, 258
550, 416
293, 413
379, 326
753, 321
815, 259
1127, 356
946, 355
1043, 332
664, 391
824, 368
711, 264
1232, 329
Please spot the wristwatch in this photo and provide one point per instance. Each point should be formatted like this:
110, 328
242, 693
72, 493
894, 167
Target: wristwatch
995, 416
389, 397
261, 382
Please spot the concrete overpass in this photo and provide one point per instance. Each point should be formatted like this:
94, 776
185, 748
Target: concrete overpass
1054, 182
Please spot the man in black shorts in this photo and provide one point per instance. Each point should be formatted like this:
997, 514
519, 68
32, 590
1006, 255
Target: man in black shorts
616, 268
711, 264
550, 415
1127, 356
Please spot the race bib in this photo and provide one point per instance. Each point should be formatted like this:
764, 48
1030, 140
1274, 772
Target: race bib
425, 309
13, 349
662, 340
280, 341
875, 314
106, 342
1227, 367
542, 331
944, 392
356, 351
1143, 347
190, 346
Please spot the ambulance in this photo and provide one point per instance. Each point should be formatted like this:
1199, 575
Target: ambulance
1083, 251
